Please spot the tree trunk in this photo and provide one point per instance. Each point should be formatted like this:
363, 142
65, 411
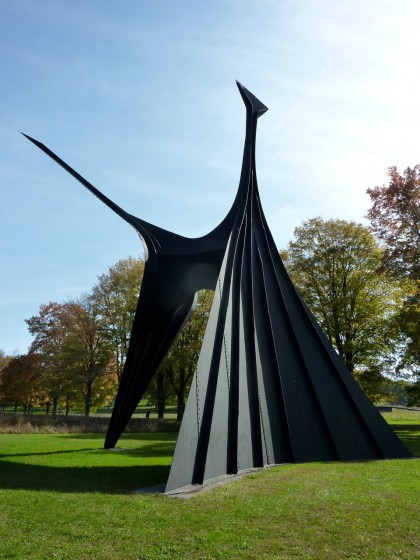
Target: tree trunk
180, 406
88, 396
185, 375
55, 406
48, 408
161, 394
348, 354
14, 412
161, 405
67, 406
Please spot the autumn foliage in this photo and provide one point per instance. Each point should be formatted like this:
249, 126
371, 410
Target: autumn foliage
395, 220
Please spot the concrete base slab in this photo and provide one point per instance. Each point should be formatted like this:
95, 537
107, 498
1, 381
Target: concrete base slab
158, 489
195, 489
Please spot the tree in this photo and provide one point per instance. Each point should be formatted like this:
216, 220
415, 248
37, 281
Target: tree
3, 364
73, 353
86, 351
19, 381
160, 391
173, 378
182, 359
115, 301
4, 360
395, 220
408, 323
334, 265
413, 393
50, 330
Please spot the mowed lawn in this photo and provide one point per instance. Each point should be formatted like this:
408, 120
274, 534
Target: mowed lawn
63, 496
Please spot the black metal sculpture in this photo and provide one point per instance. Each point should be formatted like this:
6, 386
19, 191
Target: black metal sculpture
269, 387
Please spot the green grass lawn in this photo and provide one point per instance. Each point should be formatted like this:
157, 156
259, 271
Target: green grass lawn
62, 496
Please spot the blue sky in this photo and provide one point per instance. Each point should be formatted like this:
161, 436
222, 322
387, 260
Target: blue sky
140, 98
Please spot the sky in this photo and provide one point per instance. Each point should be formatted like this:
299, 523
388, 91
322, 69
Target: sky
140, 98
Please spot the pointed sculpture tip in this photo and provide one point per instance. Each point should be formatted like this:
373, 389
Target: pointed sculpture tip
242, 89
29, 138
251, 101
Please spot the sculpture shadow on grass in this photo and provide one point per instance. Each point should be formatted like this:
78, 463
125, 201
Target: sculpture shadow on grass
409, 434
104, 480
89, 468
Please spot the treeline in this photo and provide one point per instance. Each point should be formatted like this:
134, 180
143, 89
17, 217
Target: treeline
79, 349
362, 284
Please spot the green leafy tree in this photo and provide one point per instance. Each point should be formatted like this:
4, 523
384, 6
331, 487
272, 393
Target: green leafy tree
181, 361
395, 220
114, 298
334, 264
160, 391
413, 393
173, 379
87, 354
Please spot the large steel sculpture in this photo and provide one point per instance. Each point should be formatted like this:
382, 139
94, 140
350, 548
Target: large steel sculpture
269, 387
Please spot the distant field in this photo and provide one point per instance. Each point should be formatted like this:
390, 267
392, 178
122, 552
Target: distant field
402, 416
62, 496
142, 408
